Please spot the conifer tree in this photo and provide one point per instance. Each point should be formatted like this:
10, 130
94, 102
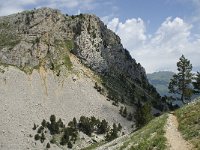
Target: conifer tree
143, 114
121, 110
130, 117
124, 114
48, 145
196, 83
181, 82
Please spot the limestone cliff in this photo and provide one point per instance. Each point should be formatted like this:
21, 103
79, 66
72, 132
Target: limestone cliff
45, 37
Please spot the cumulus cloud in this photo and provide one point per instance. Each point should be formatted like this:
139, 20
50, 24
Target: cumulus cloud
12, 6
132, 31
161, 50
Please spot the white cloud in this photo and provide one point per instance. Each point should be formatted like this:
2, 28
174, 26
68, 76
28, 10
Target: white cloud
161, 50
12, 6
132, 31
113, 24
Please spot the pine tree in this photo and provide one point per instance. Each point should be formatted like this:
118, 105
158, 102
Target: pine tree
121, 110
69, 144
181, 82
143, 114
196, 83
65, 138
130, 117
53, 118
113, 133
34, 127
103, 127
37, 137
42, 138
119, 128
44, 123
48, 145
75, 122
124, 114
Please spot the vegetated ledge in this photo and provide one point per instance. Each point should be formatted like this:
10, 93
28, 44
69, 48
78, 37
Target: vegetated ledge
61, 63
150, 136
189, 122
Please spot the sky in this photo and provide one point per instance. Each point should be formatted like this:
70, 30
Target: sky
155, 32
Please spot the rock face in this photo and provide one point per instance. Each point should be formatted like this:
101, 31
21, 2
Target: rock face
26, 100
63, 57
45, 37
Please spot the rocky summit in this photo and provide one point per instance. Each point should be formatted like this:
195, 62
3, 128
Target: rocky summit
50, 64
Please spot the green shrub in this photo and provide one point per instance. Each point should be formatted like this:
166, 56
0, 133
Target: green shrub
53, 118
69, 145
44, 123
143, 114
113, 134
124, 113
121, 110
42, 138
40, 129
48, 145
34, 127
103, 127
37, 137
119, 128
130, 117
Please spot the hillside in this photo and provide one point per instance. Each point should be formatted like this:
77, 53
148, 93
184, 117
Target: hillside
45, 37
189, 122
174, 131
67, 66
160, 80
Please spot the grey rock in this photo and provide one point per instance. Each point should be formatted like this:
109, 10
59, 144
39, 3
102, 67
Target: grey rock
45, 37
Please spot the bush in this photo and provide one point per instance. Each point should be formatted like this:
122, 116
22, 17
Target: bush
44, 123
121, 110
103, 127
130, 117
116, 103
37, 137
69, 145
53, 140
40, 129
143, 114
119, 128
53, 118
42, 138
64, 139
85, 125
34, 127
124, 113
113, 134
48, 145
60, 123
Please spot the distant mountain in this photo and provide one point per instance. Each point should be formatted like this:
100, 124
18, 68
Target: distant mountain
160, 80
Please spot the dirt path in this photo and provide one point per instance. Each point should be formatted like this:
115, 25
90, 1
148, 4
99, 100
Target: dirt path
174, 137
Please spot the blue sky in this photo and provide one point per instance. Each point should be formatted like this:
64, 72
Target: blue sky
156, 32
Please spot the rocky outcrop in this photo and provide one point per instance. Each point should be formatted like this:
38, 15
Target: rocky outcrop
45, 37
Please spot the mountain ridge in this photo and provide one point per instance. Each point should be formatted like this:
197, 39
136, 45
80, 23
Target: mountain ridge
51, 63
45, 37
160, 80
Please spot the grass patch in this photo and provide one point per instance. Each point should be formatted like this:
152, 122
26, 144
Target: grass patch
149, 137
8, 40
189, 123
69, 44
93, 146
